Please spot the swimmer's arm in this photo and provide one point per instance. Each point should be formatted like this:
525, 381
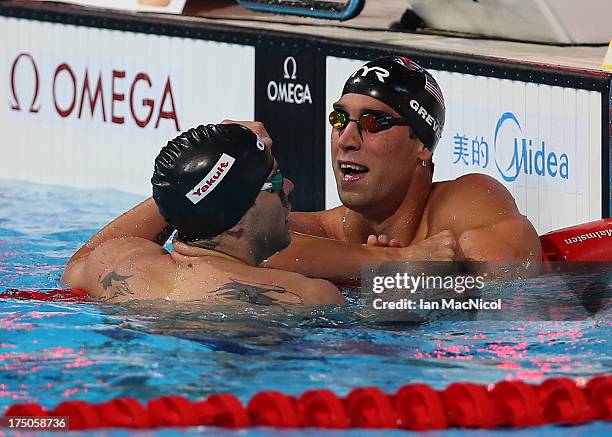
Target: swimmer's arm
317, 249
511, 246
327, 224
142, 221
483, 216
334, 260
314, 249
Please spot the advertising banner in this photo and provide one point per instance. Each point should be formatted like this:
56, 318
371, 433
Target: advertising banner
289, 98
542, 142
90, 107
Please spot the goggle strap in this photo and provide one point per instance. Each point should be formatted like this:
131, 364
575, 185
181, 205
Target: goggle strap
274, 182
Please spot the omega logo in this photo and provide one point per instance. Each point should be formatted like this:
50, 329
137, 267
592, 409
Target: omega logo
289, 92
75, 92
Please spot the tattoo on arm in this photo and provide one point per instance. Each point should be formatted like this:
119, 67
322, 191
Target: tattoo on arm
118, 285
252, 292
163, 235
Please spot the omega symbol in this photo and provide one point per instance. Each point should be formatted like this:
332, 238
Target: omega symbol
293, 75
16, 106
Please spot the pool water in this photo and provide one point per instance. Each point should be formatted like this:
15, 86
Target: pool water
56, 351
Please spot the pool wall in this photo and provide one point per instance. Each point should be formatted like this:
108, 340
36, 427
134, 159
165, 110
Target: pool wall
90, 96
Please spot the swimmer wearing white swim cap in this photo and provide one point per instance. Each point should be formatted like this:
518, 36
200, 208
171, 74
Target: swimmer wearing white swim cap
221, 189
386, 126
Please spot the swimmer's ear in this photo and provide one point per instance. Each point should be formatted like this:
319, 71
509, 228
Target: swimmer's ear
424, 153
236, 230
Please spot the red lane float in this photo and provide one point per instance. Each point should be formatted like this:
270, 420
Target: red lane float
415, 407
69, 295
323, 409
420, 408
516, 404
586, 242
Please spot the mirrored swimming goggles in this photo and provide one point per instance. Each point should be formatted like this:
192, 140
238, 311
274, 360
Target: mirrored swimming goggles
369, 122
274, 184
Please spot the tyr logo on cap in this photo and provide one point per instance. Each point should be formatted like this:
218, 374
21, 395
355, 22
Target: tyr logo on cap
380, 72
211, 180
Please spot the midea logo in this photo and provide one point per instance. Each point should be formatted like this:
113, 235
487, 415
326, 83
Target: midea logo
289, 92
526, 158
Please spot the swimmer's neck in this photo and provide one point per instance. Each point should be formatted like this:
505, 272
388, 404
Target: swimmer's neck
238, 255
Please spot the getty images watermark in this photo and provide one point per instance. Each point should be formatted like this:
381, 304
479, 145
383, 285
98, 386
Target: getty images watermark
425, 291
414, 283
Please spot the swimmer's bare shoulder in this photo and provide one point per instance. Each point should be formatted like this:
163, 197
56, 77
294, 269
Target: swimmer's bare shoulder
120, 269
312, 291
483, 216
326, 224
470, 201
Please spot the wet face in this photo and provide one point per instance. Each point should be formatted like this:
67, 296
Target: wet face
272, 222
373, 170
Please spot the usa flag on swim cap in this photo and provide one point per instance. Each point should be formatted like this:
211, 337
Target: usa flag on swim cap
432, 87
409, 63
430, 83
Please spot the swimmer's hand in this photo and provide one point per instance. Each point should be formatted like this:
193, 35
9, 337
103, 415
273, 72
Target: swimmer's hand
442, 246
382, 241
256, 127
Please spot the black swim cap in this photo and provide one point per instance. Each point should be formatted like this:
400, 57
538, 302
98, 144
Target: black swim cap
207, 178
408, 89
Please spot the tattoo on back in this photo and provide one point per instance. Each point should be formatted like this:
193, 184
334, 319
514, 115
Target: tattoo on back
118, 286
252, 292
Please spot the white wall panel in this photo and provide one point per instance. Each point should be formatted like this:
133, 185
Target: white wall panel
567, 121
337, 70
208, 81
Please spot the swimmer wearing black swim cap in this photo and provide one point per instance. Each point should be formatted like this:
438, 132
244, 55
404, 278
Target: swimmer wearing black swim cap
407, 88
221, 189
207, 178
386, 125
